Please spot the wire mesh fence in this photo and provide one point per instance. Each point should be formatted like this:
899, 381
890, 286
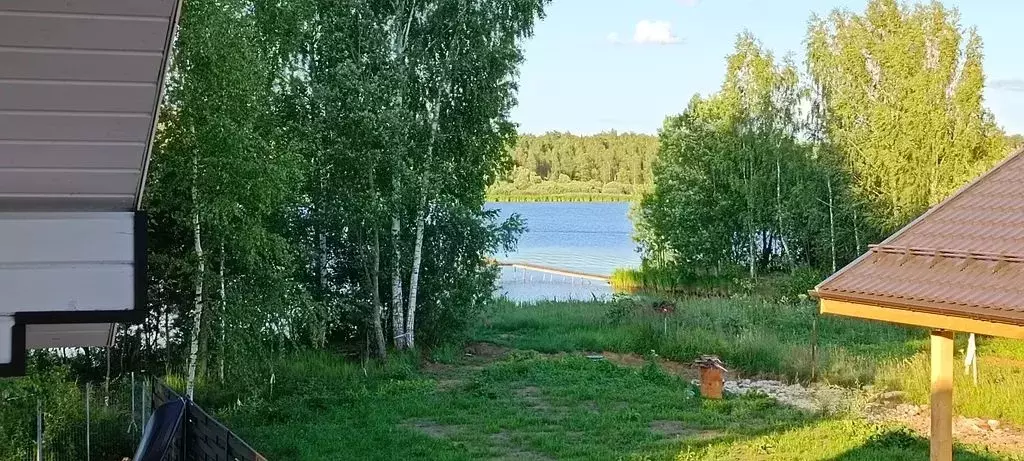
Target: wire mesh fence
100, 422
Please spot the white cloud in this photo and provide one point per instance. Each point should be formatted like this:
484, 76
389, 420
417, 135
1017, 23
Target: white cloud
654, 32
614, 38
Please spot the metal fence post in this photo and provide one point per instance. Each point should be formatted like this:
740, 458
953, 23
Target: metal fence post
145, 388
88, 421
39, 430
133, 426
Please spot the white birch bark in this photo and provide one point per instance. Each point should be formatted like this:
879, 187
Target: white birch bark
778, 205
398, 46
378, 327
414, 278
397, 308
223, 313
197, 313
831, 223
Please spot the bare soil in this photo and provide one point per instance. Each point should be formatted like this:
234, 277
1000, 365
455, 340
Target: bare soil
675, 430
995, 435
431, 428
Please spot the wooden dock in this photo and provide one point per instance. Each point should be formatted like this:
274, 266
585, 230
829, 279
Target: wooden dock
553, 271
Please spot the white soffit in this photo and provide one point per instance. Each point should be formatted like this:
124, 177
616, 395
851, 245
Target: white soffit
80, 83
68, 335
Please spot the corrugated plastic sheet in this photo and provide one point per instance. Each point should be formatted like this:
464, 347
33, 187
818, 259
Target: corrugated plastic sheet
964, 257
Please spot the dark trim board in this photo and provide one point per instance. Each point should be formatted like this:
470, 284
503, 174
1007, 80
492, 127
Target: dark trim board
141, 267
137, 314
18, 353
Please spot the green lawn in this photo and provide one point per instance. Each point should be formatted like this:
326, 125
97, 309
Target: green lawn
535, 403
529, 406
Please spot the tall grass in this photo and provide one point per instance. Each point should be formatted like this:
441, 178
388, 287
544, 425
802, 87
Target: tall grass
997, 393
671, 281
759, 338
753, 336
561, 197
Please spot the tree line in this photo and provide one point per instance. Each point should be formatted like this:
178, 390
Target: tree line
559, 165
318, 177
790, 166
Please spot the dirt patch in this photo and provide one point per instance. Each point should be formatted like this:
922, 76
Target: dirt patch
434, 368
676, 430
682, 370
503, 442
444, 385
485, 351
990, 433
531, 396
430, 428
523, 455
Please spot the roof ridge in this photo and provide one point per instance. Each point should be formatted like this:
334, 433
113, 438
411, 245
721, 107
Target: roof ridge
949, 253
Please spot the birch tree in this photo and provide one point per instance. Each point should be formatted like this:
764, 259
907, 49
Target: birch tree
902, 100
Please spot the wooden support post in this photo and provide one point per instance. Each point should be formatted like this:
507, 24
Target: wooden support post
942, 396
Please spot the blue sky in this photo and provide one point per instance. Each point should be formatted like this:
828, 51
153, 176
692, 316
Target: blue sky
597, 65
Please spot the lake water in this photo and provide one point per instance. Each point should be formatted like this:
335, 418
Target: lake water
595, 238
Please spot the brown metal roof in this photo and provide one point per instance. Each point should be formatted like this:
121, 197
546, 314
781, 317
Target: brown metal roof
964, 257
80, 83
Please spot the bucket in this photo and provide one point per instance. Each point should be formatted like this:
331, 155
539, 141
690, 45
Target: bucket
711, 382
712, 376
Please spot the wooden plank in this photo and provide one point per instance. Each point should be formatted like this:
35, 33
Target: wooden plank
64, 238
942, 395
82, 32
68, 181
76, 97
70, 154
68, 202
80, 67
921, 319
83, 287
67, 126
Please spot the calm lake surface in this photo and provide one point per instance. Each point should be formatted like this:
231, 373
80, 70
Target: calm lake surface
595, 238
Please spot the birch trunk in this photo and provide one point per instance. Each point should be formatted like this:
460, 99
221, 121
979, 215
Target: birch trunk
398, 46
223, 313
831, 223
433, 111
856, 231
414, 277
397, 310
197, 313
167, 342
778, 205
376, 314
752, 238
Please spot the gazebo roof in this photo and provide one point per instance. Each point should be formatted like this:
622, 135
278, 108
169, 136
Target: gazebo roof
962, 258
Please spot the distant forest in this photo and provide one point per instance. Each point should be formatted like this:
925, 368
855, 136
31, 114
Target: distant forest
565, 167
